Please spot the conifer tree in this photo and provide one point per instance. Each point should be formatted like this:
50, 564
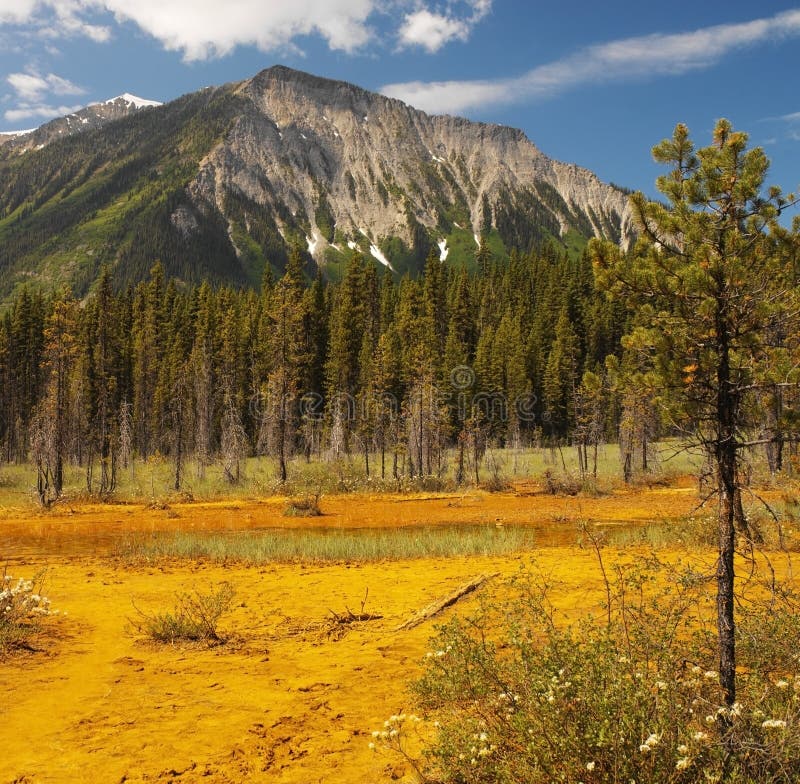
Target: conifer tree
561, 377
105, 369
283, 385
202, 368
50, 429
709, 280
347, 323
25, 360
5, 388
147, 350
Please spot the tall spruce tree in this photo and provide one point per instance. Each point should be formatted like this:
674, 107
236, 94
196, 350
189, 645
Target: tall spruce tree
53, 411
287, 356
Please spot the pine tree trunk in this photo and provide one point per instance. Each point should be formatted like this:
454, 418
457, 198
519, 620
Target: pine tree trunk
420, 435
282, 449
178, 452
725, 572
645, 467
726, 457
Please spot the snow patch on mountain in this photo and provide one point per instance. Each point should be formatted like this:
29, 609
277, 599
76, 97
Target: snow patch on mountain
376, 253
134, 100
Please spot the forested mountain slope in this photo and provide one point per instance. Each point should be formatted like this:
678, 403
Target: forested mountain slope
221, 183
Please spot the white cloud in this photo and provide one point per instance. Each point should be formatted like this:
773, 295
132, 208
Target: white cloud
30, 87
53, 18
16, 11
628, 58
73, 26
209, 28
432, 30
40, 112
31, 91
204, 28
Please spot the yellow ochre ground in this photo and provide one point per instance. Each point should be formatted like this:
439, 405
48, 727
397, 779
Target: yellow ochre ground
281, 700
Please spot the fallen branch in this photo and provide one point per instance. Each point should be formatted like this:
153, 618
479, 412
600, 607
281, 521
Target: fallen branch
352, 617
436, 607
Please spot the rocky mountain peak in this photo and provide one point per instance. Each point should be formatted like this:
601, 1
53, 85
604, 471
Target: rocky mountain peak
94, 115
336, 163
220, 183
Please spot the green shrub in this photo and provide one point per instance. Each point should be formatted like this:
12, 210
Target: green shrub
519, 696
194, 618
22, 609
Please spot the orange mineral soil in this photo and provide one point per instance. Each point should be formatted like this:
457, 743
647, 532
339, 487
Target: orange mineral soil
283, 700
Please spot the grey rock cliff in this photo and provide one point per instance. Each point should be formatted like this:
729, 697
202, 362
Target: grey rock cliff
380, 167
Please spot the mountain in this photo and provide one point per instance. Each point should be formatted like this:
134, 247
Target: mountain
219, 183
93, 116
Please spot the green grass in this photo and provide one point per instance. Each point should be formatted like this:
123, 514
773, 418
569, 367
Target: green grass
575, 243
331, 546
463, 248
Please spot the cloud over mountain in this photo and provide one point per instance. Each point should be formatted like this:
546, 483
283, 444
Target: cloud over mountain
624, 59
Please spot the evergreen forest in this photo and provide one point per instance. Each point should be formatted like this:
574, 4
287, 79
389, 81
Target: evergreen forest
417, 377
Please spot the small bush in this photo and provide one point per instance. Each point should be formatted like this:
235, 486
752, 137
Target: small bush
22, 608
195, 617
560, 485
634, 696
306, 506
496, 484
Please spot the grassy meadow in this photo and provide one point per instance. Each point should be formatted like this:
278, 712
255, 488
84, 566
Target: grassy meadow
154, 479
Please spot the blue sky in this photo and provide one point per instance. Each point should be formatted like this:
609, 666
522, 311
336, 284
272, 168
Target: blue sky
595, 83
